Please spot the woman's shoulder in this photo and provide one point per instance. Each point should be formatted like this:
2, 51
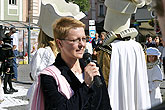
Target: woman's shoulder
46, 50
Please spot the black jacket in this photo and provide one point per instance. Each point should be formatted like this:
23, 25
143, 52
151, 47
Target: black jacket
84, 98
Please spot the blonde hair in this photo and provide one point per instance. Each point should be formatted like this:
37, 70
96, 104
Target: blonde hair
44, 41
104, 33
62, 26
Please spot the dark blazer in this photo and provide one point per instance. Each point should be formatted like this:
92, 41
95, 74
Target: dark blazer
94, 44
84, 98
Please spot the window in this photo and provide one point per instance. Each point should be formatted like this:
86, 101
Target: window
13, 2
101, 10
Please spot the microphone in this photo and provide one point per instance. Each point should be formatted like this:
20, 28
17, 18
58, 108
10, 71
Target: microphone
88, 58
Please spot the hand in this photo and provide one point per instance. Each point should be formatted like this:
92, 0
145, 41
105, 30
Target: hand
90, 71
8, 70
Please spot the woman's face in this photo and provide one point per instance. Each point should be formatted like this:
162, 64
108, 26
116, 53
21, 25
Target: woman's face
73, 46
151, 58
157, 39
102, 37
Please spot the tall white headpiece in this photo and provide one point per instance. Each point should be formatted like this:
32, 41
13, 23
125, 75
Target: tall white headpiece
54, 9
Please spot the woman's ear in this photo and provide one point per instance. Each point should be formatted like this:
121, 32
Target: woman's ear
59, 44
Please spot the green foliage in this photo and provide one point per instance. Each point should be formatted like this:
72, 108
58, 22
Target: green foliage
83, 4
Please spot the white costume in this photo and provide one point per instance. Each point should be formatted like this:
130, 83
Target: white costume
155, 77
128, 82
41, 59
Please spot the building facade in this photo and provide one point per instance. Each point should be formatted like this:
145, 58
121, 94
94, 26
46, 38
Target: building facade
97, 12
11, 10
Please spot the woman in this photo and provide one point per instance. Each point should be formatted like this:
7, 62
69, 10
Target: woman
45, 54
43, 57
68, 83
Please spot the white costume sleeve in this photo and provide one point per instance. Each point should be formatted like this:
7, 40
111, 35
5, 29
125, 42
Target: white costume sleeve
42, 58
35, 63
157, 77
153, 85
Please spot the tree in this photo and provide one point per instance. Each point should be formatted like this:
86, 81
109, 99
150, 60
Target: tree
83, 4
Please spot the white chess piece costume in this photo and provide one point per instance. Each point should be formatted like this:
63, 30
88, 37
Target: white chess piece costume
128, 82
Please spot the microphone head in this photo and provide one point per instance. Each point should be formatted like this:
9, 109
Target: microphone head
87, 57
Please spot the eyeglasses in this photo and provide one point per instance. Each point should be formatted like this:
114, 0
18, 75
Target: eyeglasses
76, 41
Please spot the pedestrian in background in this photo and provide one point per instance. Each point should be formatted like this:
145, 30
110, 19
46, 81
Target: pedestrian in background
155, 75
14, 36
96, 41
150, 43
68, 83
102, 37
15, 51
95, 44
7, 65
89, 48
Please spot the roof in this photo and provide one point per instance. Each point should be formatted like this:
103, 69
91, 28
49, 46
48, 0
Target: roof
17, 24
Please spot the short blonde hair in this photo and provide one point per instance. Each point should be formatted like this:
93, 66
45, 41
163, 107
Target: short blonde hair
62, 26
104, 33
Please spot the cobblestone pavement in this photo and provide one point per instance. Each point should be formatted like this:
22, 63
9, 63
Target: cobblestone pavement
17, 100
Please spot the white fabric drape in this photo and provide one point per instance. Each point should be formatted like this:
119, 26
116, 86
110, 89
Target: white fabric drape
128, 82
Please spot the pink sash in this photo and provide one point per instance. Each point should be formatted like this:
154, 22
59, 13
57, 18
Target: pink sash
63, 87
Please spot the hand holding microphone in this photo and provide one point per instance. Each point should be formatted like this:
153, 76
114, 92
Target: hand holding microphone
91, 71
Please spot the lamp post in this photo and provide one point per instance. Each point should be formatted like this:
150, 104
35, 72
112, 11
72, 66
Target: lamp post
29, 37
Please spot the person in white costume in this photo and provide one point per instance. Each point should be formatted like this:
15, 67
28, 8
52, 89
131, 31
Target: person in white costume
155, 75
128, 82
44, 57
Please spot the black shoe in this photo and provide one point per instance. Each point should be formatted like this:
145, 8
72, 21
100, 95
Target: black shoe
13, 90
7, 92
